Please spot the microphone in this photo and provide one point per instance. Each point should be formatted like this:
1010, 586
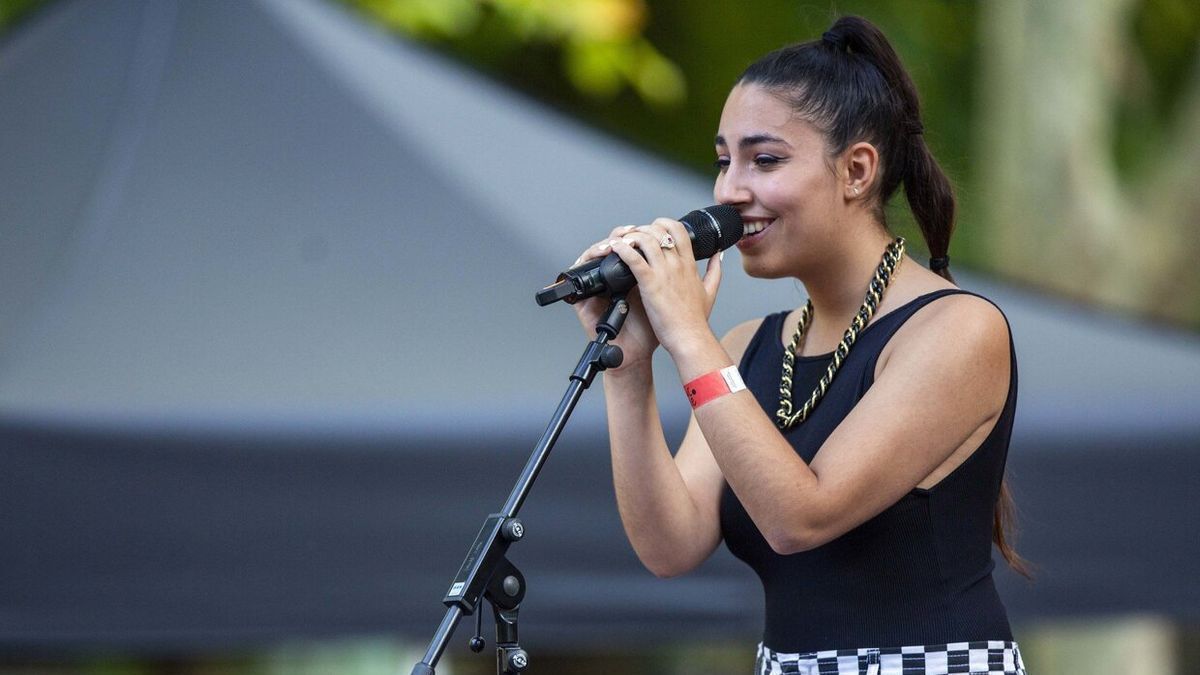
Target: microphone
711, 229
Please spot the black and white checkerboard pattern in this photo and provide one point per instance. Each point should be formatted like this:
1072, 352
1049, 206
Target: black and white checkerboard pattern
965, 658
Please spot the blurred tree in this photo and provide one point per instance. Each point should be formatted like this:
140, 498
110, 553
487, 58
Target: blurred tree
1065, 126
1069, 128
1087, 154
12, 11
601, 42
709, 44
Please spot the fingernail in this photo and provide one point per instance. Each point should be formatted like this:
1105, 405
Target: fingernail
602, 246
577, 261
628, 240
629, 228
612, 242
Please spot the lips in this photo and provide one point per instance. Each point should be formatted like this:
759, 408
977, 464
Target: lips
754, 231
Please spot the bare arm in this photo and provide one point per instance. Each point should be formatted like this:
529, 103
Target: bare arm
668, 505
946, 377
943, 380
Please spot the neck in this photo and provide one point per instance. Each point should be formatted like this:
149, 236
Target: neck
837, 289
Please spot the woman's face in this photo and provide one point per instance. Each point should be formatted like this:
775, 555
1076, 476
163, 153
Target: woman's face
773, 167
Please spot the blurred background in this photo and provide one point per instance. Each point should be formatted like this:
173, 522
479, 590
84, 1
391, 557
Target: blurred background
269, 354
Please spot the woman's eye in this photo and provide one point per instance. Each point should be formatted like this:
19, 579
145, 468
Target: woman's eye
721, 164
766, 160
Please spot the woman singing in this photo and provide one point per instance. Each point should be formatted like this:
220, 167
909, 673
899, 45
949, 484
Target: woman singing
859, 471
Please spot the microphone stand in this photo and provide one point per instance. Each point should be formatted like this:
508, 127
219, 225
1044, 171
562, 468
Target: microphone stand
486, 573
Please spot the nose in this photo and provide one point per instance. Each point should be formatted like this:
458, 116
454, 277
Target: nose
730, 188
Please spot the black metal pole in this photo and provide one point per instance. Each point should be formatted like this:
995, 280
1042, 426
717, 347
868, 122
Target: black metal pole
440, 639
558, 422
502, 529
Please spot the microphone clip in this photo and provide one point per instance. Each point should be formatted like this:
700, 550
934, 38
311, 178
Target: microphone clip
594, 277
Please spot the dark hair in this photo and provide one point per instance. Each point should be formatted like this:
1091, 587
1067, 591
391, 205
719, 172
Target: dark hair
851, 85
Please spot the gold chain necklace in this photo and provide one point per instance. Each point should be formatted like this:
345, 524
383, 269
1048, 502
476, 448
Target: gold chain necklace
784, 417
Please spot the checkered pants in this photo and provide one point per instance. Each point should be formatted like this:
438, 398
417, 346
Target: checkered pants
968, 658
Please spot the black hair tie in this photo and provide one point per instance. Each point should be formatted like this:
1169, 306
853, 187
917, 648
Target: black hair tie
835, 40
941, 263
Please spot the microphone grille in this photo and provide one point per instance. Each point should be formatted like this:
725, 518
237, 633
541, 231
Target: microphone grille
713, 228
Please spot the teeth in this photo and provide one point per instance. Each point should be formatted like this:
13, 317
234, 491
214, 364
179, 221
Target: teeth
754, 227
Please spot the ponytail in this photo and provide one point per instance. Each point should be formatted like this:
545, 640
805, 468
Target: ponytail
902, 142
931, 199
851, 85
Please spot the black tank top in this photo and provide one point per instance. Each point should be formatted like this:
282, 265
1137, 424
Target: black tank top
918, 573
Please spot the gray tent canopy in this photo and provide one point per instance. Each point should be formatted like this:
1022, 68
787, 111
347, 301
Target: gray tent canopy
269, 353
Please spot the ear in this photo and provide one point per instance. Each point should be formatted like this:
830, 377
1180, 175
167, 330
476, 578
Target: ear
861, 165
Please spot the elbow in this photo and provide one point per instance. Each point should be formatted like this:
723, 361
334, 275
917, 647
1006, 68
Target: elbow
666, 569
796, 539
667, 572
787, 544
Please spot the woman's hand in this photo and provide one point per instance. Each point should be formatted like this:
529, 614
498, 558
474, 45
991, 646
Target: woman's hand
636, 340
674, 300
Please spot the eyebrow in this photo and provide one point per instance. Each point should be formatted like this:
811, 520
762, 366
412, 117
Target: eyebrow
754, 139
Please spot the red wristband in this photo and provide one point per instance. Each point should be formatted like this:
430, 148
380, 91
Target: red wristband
713, 385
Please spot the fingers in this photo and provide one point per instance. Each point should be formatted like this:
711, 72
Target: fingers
649, 239
683, 241
667, 240
604, 246
650, 244
712, 277
597, 250
625, 248
618, 232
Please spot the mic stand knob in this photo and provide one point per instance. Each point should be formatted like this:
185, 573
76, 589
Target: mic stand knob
512, 529
485, 573
476, 643
516, 661
611, 356
506, 590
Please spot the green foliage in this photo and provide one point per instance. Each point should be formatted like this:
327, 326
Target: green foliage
12, 11
941, 44
599, 42
707, 45
1165, 34
656, 73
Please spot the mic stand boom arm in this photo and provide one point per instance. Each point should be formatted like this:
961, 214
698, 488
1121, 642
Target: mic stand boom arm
486, 573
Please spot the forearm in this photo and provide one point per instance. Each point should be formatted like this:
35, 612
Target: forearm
757, 462
659, 515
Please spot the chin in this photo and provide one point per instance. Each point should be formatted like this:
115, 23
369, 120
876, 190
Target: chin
758, 268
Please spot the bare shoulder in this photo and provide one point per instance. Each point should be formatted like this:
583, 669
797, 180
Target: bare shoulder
958, 339
964, 314
738, 338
